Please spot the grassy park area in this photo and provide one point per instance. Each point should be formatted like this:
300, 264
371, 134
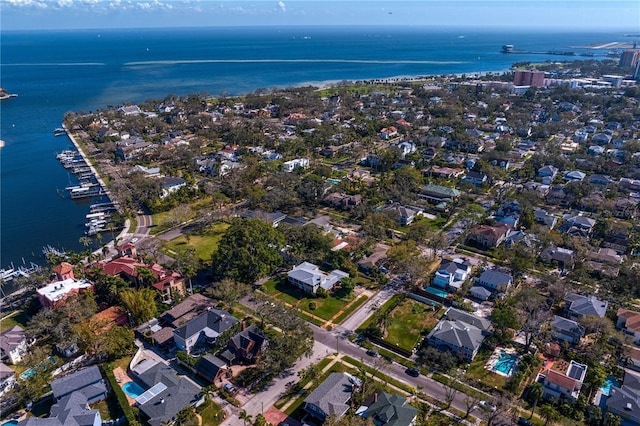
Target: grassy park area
408, 321
205, 243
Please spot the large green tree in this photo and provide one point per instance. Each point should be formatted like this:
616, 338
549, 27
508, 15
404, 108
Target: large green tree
249, 250
140, 303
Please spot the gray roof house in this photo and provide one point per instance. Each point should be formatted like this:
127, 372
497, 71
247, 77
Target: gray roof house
309, 278
210, 367
72, 410
468, 318
495, 280
566, 329
13, 344
331, 397
624, 401
88, 382
206, 326
543, 217
390, 410
166, 392
578, 306
480, 292
456, 336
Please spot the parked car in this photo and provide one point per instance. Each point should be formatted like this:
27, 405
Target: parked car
230, 388
524, 422
372, 352
488, 405
414, 372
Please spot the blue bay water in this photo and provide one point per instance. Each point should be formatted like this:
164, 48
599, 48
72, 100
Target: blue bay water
54, 72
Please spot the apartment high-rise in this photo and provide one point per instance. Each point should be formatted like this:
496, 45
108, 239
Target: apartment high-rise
533, 78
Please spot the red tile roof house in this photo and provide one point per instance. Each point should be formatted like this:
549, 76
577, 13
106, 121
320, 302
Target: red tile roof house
168, 282
564, 385
64, 286
629, 323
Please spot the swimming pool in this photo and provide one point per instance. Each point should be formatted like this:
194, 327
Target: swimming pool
10, 423
437, 292
132, 389
30, 372
609, 383
505, 363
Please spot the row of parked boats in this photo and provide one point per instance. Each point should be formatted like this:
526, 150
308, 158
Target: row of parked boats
99, 218
88, 185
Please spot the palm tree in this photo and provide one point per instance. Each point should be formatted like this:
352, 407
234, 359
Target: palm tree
245, 417
549, 414
535, 393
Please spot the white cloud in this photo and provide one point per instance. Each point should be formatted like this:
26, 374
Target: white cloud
282, 6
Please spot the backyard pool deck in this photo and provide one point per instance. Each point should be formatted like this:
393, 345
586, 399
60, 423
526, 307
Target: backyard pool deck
497, 357
122, 378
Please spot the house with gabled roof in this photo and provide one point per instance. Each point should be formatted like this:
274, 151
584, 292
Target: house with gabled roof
71, 410
629, 322
205, 327
309, 278
166, 393
247, 346
459, 332
13, 344
624, 400
495, 280
578, 306
556, 384
566, 329
451, 273
332, 397
211, 368
87, 381
486, 236
389, 410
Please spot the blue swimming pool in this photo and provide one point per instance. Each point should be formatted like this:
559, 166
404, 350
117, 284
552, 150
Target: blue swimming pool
437, 292
29, 373
505, 363
132, 389
10, 423
609, 383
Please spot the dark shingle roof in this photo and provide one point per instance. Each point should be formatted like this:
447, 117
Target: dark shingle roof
209, 366
76, 381
213, 319
391, 410
332, 394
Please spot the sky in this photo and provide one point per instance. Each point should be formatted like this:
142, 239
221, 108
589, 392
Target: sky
590, 15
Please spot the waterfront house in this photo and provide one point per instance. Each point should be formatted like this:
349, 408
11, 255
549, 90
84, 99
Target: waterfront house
204, 328
13, 344
624, 400
557, 384
567, 330
309, 278
331, 397
57, 292
578, 306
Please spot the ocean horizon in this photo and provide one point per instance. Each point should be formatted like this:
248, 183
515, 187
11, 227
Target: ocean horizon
57, 71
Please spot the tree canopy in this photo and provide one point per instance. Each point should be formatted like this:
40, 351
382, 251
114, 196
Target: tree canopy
249, 250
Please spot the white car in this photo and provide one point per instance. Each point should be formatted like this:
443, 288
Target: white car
134, 240
488, 405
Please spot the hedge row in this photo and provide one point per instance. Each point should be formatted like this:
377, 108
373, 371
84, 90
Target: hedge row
107, 371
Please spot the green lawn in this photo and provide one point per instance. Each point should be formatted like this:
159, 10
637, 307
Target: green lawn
204, 244
211, 414
12, 319
478, 372
408, 321
285, 292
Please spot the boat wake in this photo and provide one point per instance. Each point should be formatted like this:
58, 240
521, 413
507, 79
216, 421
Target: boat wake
284, 61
